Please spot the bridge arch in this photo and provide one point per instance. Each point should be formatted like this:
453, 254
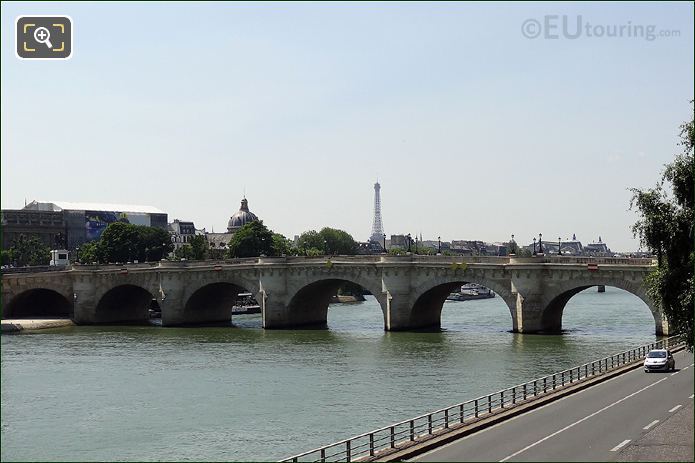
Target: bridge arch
556, 301
429, 296
126, 303
38, 302
308, 303
212, 302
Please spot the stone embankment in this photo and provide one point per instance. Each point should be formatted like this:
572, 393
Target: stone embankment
16, 325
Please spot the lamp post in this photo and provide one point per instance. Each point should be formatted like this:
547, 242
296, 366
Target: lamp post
439, 245
409, 240
559, 240
540, 243
534, 246
415, 244
512, 247
384, 242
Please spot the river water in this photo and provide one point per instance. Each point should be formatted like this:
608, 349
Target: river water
243, 393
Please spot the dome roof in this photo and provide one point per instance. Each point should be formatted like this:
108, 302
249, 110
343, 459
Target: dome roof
241, 218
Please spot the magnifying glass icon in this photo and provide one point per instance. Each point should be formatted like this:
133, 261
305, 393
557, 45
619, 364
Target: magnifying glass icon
42, 35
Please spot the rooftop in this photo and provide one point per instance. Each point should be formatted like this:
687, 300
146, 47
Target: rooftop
77, 206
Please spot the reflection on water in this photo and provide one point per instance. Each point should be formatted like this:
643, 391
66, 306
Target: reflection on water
244, 393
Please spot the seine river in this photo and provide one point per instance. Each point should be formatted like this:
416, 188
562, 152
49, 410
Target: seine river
242, 393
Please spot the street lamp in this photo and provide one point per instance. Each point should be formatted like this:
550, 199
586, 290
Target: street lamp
415, 244
384, 242
439, 244
534, 246
409, 240
540, 243
512, 246
559, 252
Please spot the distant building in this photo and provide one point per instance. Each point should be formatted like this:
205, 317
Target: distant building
182, 233
398, 241
218, 241
599, 249
69, 224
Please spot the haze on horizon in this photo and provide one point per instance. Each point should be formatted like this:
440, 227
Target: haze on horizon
474, 131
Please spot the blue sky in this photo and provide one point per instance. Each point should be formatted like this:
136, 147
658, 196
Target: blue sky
474, 130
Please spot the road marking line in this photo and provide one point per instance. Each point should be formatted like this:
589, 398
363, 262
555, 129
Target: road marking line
620, 445
523, 415
650, 424
674, 374
691, 396
675, 408
581, 421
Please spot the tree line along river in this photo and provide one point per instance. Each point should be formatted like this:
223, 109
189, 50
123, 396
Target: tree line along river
148, 393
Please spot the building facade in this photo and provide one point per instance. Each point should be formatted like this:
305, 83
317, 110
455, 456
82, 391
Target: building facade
72, 224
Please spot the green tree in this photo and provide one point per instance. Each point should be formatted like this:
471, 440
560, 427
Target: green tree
199, 248
29, 251
6, 257
338, 242
311, 240
665, 227
184, 252
281, 245
90, 252
124, 242
251, 240
152, 243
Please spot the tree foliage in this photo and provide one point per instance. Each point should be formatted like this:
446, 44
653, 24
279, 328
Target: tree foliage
199, 247
124, 242
281, 245
665, 227
27, 251
328, 241
251, 240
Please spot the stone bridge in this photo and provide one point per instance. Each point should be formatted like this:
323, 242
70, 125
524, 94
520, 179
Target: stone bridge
295, 291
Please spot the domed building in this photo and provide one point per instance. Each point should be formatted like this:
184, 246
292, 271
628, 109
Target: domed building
218, 241
241, 217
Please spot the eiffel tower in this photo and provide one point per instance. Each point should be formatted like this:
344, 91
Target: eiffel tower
377, 226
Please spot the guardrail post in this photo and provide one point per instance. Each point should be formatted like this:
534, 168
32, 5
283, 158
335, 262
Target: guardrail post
412, 430
371, 444
562, 378
513, 395
323, 454
489, 404
502, 399
554, 382
393, 437
461, 412
586, 371
545, 385
446, 418
429, 423
476, 408
592, 369
348, 453
524, 391
535, 388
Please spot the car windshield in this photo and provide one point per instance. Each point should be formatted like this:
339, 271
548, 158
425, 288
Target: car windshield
657, 355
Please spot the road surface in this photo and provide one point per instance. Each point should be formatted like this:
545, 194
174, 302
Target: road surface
591, 425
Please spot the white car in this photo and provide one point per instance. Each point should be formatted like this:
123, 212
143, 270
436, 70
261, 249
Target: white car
659, 360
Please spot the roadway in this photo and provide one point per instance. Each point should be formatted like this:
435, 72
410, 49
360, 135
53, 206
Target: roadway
590, 425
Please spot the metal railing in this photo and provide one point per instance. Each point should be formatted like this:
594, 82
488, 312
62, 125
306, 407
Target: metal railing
382, 441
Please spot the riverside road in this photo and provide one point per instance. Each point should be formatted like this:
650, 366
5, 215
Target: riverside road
590, 425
